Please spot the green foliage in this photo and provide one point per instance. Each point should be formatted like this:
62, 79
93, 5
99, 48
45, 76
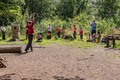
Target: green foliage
64, 13
55, 22
108, 8
75, 43
70, 8
106, 26
10, 10
42, 8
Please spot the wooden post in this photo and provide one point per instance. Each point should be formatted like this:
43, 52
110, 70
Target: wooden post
107, 42
113, 42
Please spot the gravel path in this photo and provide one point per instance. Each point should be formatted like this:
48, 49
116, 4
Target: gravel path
55, 62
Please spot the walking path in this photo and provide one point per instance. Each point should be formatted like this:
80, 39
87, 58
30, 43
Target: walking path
55, 62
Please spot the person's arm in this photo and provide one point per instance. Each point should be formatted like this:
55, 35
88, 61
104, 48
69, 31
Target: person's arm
71, 28
5, 28
61, 29
27, 18
33, 17
51, 28
91, 24
26, 21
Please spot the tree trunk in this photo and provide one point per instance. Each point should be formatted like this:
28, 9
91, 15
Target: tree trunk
10, 49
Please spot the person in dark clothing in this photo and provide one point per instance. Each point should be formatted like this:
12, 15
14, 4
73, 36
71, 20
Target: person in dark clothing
99, 36
30, 25
74, 29
39, 37
81, 34
3, 32
93, 26
104, 39
59, 31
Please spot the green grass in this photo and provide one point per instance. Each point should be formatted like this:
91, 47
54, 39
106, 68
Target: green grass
117, 44
75, 43
8, 42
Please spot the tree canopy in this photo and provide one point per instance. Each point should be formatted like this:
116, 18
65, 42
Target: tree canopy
11, 10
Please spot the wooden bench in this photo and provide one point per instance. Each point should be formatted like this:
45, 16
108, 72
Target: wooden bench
112, 37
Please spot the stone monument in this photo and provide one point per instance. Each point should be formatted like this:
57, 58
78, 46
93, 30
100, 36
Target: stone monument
15, 32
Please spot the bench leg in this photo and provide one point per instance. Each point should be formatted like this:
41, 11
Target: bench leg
113, 43
107, 43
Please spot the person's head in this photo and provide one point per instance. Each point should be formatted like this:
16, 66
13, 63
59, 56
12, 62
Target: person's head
59, 26
41, 26
80, 28
49, 24
104, 36
29, 22
74, 26
93, 20
89, 34
94, 34
38, 34
98, 32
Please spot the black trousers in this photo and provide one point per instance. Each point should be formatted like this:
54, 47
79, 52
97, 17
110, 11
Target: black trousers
74, 34
49, 36
58, 34
93, 32
3, 35
29, 45
81, 37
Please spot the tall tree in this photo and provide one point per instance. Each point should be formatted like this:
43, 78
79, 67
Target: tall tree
108, 8
70, 8
10, 10
43, 8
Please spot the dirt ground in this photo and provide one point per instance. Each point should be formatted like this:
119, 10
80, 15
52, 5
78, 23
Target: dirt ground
55, 62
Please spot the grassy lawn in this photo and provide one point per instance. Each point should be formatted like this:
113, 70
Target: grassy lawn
62, 42
117, 44
75, 43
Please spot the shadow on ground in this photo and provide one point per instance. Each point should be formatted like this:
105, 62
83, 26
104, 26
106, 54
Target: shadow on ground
6, 76
108, 49
29, 79
70, 78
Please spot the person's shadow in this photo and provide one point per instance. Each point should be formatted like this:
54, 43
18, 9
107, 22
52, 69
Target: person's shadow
6, 76
70, 78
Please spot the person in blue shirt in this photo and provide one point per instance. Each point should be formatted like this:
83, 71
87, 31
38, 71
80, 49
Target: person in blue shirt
104, 39
93, 26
